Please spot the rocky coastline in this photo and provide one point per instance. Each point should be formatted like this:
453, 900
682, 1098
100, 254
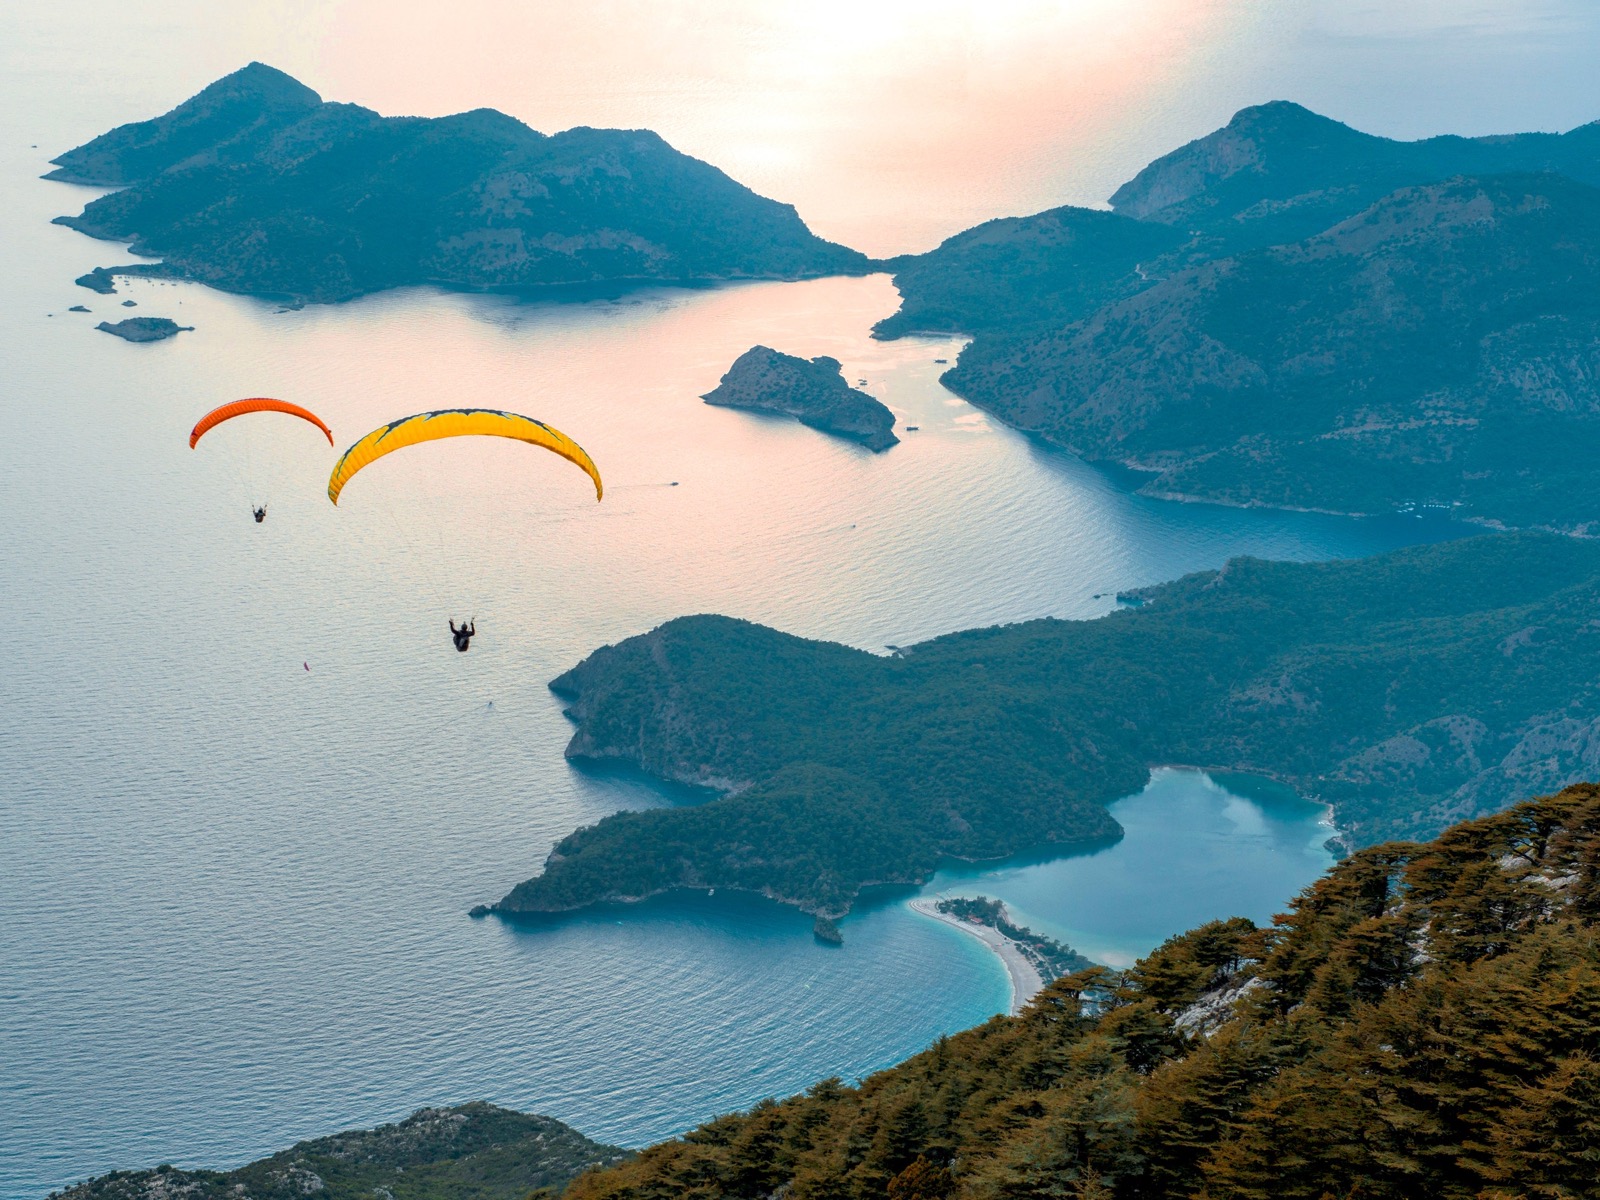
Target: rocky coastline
144, 329
813, 391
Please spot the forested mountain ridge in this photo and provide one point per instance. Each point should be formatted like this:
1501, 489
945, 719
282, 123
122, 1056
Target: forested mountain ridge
255, 185
1441, 346
1291, 313
471, 1152
1279, 172
1408, 690
1424, 1021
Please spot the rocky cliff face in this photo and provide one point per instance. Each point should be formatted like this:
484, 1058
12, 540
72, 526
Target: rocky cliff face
811, 390
257, 186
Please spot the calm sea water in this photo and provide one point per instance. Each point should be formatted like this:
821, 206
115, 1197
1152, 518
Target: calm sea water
233, 889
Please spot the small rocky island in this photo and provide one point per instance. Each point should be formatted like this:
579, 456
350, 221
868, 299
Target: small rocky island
98, 280
811, 390
145, 329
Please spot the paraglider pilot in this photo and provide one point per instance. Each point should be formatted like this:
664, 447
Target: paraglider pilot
261, 514
463, 636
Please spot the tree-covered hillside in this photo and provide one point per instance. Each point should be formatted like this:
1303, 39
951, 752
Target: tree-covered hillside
1409, 690
472, 1152
1423, 1022
1441, 347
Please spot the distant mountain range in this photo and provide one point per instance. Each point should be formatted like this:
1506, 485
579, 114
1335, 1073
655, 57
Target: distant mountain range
1289, 312
1286, 312
257, 185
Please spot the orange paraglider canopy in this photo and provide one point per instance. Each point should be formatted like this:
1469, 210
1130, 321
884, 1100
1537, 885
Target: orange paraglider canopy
254, 404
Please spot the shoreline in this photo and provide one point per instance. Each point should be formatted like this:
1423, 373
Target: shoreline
1026, 982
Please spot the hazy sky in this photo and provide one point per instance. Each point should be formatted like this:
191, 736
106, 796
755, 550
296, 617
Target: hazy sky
889, 123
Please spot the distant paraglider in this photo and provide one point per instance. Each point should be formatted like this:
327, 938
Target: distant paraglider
254, 404
457, 422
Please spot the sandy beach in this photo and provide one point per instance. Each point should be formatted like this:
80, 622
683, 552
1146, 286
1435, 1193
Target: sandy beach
1025, 980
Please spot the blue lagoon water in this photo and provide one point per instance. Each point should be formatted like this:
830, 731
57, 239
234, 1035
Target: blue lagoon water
1193, 842
248, 792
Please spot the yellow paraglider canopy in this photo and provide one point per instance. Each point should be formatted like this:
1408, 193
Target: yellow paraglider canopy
456, 422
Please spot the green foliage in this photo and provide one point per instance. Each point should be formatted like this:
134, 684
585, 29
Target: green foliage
1467, 1073
473, 1152
1409, 690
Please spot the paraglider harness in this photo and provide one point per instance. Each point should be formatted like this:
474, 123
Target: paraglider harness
463, 636
261, 514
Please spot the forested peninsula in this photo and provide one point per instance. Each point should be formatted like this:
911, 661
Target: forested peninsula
1288, 312
1408, 690
257, 185
1424, 1021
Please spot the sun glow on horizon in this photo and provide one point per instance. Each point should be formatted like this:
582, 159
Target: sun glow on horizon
871, 116
889, 124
